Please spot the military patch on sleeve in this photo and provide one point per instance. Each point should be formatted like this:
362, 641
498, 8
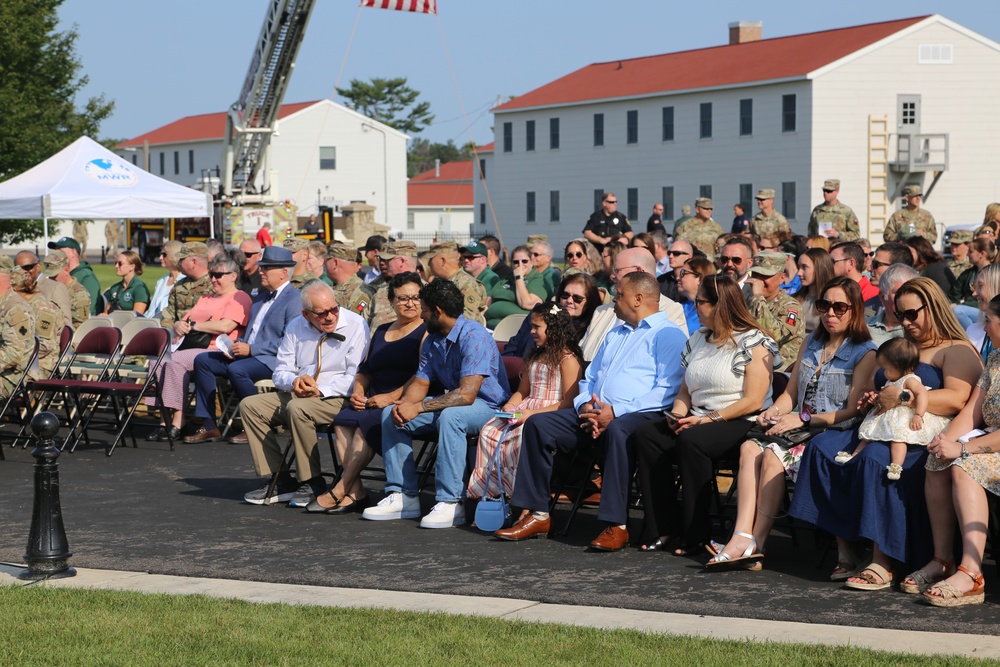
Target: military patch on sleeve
793, 318
361, 306
20, 324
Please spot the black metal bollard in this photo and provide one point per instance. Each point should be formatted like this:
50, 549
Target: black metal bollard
48, 551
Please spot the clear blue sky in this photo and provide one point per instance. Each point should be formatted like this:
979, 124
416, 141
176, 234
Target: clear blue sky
160, 61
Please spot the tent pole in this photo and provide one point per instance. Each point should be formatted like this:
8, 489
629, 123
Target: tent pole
45, 224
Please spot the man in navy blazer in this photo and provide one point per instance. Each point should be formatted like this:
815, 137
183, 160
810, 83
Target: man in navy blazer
254, 355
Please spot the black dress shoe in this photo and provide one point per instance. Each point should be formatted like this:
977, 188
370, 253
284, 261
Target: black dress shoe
159, 435
356, 506
315, 508
175, 435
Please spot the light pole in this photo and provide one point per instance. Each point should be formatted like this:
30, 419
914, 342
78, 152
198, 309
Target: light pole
367, 127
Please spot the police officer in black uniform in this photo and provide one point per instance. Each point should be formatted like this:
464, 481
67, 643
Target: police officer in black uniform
606, 222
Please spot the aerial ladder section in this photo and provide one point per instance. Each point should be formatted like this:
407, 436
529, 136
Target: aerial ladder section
251, 119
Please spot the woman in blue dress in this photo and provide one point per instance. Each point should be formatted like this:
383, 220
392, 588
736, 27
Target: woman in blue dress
855, 501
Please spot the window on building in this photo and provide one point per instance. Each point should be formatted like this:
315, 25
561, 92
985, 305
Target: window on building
632, 127
529, 212
788, 200
554, 205
529, 135
411, 222
508, 137
909, 113
482, 214
668, 123
553, 133
668, 202
191, 161
746, 196
934, 54
327, 157
135, 159
632, 200
163, 163
598, 198
746, 117
706, 120
788, 113
705, 191
482, 168
598, 129
177, 162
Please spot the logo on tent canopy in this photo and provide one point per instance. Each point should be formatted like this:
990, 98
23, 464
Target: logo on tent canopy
113, 173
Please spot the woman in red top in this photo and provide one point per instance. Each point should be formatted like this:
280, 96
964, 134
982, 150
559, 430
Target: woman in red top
264, 236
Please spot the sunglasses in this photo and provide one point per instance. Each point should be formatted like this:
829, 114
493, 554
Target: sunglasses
538, 254
687, 272
698, 301
326, 313
521, 261
28, 267
251, 254
677, 253
909, 315
577, 299
735, 261
217, 275
611, 201
839, 307
877, 264
574, 255
163, 254
870, 254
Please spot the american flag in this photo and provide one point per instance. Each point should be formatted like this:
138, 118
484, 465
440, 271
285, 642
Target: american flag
421, 6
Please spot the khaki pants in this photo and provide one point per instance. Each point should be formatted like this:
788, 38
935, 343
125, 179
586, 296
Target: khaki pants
261, 413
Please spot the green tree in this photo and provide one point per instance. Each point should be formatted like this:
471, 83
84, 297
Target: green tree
423, 153
389, 101
39, 82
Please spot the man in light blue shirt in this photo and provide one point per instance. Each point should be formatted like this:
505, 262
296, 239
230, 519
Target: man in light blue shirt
635, 374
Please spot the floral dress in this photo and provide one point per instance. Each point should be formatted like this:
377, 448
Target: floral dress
984, 468
545, 389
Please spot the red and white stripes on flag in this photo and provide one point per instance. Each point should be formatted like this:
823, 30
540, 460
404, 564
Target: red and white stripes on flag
420, 6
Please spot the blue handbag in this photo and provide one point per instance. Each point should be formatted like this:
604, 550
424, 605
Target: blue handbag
492, 513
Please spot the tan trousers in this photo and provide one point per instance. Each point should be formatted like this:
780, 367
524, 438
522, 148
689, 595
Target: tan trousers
262, 412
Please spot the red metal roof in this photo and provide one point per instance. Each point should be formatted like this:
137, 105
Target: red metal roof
764, 60
450, 171
452, 188
200, 128
487, 148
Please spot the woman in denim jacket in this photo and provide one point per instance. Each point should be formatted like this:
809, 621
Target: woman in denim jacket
832, 372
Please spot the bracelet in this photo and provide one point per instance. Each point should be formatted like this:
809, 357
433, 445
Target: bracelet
965, 452
715, 416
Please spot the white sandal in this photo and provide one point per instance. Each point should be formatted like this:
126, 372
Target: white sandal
750, 556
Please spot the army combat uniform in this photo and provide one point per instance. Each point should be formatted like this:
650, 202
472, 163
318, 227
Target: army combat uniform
182, 298
300, 281
17, 335
841, 217
701, 234
48, 328
782, 320
921, 219
474, 294
773, 227
79, 303
356, 297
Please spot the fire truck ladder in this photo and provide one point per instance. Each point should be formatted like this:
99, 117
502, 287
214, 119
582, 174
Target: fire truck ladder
251, 120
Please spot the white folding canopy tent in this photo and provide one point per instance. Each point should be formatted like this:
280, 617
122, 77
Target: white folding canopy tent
86, 180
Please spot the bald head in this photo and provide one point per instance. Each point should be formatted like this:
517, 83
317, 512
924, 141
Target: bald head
636, 257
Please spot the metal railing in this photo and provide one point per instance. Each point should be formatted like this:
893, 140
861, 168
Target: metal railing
921, 152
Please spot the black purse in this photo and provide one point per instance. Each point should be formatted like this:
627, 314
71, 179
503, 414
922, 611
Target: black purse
788, 439
196, 340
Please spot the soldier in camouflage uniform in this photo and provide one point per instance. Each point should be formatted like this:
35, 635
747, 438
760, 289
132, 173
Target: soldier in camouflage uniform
17, 329
192, 259
398, 257
898, 227
48, 323
56, 268
701, 230
444, 261
778, 314
838, 220
959, 261
300, 253
768, 223
342, 264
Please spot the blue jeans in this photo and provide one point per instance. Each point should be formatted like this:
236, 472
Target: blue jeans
967, 315
452, 426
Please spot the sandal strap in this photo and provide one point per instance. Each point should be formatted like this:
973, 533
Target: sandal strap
977, 579
947, 564
875, 568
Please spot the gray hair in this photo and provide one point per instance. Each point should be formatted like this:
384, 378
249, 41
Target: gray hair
660, 237
896, 274
223, 263
542, 248
311, 289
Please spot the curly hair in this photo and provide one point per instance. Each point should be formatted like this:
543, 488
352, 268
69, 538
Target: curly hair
560, 336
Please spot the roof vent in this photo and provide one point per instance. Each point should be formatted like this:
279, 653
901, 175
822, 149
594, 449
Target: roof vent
743, 32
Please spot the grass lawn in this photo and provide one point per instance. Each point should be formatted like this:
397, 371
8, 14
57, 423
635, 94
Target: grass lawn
45, 626
106, 275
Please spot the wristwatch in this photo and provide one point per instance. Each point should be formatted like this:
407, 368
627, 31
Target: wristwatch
904, 397
805, 417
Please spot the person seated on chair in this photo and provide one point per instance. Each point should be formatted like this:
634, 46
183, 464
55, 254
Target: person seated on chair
316, 364
461, 355
577, 294
253, 356
129, 293
17, 329
635, 374
48, 316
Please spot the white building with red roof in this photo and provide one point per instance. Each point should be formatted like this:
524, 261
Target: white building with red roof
878, 106
322, 153
439, 200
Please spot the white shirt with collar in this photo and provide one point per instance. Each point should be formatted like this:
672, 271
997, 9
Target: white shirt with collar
297, 354
262, 313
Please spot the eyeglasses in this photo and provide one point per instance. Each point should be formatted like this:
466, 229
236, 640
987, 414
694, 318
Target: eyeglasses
698, 301
610, 201
538, 254
403, 300
677, 253
25, 267
839, 307
625, 269
321, 314
574, 255
842, 259
687, 272
217, 275
735, 261
563, 296
909, 315
28, 267
877, 264
521, 261
251, 254
870, 254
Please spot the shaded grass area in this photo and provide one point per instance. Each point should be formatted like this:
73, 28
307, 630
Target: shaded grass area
106, 275
46, 626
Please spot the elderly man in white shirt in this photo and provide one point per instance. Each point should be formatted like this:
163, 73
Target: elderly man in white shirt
317, 361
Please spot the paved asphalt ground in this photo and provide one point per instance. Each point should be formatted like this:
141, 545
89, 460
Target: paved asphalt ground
181, 513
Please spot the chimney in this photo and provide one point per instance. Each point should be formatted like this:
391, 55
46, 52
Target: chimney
437, 168
743, 32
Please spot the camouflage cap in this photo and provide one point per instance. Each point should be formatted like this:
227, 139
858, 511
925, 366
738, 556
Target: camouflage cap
768, 263
342, 251
56, 260
686, 210
913, 191
193, 249
475, 248
295, 244
765, 193
398, 249
960, 236
831, 184
704, 202
535, 238
7, 265
442, 247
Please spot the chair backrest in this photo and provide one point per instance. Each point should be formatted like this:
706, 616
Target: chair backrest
87, 326
121, 317
65, 338
134, 326
507, 327
515, 368
101, 340
148, 342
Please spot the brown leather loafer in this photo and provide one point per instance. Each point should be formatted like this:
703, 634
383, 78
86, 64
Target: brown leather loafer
239, 439
612, 539
527, 526
201, 435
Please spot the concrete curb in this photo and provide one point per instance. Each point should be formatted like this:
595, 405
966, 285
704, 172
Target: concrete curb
714, 627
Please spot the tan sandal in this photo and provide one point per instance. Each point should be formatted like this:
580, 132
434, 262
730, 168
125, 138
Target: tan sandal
919, 581
869, 575
949, 596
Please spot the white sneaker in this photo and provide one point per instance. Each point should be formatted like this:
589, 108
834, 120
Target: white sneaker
444, 515
394, 506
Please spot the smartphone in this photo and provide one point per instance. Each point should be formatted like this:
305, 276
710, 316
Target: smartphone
508, 415
671, 418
